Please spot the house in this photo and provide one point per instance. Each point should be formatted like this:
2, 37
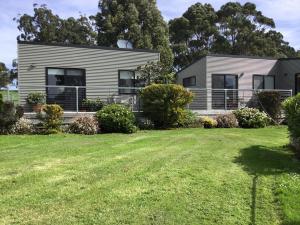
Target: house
67, 74
229, 81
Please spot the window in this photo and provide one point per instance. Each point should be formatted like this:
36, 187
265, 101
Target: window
128, 79
61, 91
224, 81
189, 81
263, 82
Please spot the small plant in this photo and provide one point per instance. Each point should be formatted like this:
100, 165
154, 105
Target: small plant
270, 102
164, 104
116, 118
36, 100
51, 118
208, 122
292, 111
87, 125
227, 121
251, 118
92, 105
23, 126
189, 120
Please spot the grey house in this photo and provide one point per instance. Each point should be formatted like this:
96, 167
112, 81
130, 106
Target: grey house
226, 81
67, 74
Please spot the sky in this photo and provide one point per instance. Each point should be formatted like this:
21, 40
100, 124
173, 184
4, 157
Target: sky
284, 12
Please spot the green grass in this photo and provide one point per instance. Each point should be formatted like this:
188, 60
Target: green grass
189, 176
13, 96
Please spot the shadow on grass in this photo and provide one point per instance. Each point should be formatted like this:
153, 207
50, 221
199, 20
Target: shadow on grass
260, 160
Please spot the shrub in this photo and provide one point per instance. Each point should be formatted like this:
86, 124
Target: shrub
8, 117
270, 102
87, 125
35, 98
144, 123
251, 118
208, 122
291, 108
189, 120
51, 117
116, 118
19, 111
1, 102
227, 121
164, 104
23, 126
92, 105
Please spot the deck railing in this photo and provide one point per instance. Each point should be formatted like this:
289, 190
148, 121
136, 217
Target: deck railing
205, 100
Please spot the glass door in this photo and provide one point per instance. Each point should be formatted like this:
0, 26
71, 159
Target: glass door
224, 99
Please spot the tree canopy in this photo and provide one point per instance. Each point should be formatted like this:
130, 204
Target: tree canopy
234, 29
138, 21
44, 26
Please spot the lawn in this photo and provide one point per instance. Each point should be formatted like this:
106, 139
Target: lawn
13, 96
188, 176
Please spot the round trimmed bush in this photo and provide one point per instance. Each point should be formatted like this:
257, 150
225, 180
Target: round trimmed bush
227, 121
251, 118
208, 122
164, 104
87, 125
116, 118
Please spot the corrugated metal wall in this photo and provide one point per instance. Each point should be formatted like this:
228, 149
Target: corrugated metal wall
101, 65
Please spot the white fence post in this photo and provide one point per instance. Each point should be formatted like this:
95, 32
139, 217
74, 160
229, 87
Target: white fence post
225, 99
77, 106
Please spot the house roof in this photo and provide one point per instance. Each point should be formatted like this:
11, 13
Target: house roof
87, 46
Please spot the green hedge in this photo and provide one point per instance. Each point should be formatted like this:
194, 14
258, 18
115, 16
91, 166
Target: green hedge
164, 104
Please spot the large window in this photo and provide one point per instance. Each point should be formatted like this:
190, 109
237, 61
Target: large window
128, 81
60, 90
189, 81
263, 82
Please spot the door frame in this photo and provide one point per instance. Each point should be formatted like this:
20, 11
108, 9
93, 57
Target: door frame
297, 90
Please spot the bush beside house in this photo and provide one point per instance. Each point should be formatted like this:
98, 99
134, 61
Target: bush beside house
164, 104
292, 111
270, 102
251, 118
51, 118
87, 125
116, 118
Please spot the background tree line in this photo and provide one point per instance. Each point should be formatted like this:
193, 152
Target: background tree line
234, 29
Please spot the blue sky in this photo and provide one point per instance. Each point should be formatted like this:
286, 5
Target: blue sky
284, 12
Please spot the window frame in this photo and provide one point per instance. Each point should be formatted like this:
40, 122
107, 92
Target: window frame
189, 78
224, 80
65, 74
133, 91
260, 75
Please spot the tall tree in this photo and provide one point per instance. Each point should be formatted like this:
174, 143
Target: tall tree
193, 34
138, 21
44, 26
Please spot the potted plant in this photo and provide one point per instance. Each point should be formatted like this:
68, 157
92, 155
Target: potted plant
36, 100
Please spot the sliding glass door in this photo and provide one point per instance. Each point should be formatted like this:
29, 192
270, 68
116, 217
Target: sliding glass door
221, 98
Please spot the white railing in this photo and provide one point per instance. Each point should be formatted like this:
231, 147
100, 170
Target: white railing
71, 97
